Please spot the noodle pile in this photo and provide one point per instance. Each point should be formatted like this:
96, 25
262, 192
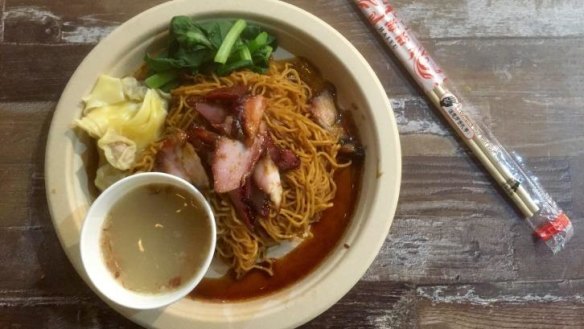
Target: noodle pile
307, 191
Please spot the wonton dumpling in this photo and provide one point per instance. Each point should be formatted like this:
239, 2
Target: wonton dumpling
97, 122
133, 89
131, 121
108, 90
107, 175
118, 150
145, 126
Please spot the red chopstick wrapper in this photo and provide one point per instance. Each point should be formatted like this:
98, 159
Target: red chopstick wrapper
549, 223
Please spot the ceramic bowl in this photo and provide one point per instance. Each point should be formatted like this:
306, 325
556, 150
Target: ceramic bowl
94, 263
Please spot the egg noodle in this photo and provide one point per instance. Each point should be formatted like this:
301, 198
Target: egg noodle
307, 191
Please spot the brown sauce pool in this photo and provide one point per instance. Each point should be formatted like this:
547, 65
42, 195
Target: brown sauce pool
299, 262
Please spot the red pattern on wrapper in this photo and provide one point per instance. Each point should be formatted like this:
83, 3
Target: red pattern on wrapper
365, 4
423, 65
555, 231
382, 15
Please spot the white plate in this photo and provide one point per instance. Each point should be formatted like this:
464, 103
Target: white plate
70, 191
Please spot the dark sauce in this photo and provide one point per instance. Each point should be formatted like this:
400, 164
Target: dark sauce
309, 73
301, 261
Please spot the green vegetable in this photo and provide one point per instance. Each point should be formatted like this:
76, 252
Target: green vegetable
219, 46
158, 80
232, 36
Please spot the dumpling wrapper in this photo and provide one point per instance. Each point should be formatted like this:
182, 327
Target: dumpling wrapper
133, 90
107, 175
140, 122
124, 117
97, 122
118, 150
107, 91
145, 126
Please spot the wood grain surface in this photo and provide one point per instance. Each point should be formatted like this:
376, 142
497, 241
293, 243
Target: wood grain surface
458, 255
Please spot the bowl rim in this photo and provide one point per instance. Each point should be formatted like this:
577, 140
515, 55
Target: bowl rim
90, 243
326, 288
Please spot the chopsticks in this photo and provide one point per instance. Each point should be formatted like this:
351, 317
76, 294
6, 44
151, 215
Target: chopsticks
482, 149
549, 222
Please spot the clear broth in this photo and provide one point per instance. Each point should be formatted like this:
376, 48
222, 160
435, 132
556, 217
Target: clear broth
155, 238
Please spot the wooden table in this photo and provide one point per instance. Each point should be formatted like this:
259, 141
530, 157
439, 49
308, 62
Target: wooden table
458, 256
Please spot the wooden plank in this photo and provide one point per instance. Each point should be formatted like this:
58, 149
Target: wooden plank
2, 5
60, 313
23, 123
477, 79
554, 174
517, 63
14, 211
430, 251
428, 145
498, 19
466, 236
495, 68
371, 305
33, 264
451, 225
464, 191
447, 19
26, 76
30, 25
39, 215
532, 125
512, 292
415, 115
27, 205
454, 225
576, 175
502, 305
465, 18
44, 78
492, 67
474, 224
473, 48
555, 316
424, 132
563, 181
538, 125
76, 21
538, 263
534, 316
23, 131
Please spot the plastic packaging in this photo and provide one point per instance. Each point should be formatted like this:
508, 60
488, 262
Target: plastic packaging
549, 222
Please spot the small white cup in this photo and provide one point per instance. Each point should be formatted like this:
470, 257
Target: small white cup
91, 253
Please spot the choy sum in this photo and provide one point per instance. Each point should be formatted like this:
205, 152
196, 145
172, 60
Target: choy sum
219, 46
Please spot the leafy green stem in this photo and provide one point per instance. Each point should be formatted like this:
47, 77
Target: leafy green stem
232, 36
